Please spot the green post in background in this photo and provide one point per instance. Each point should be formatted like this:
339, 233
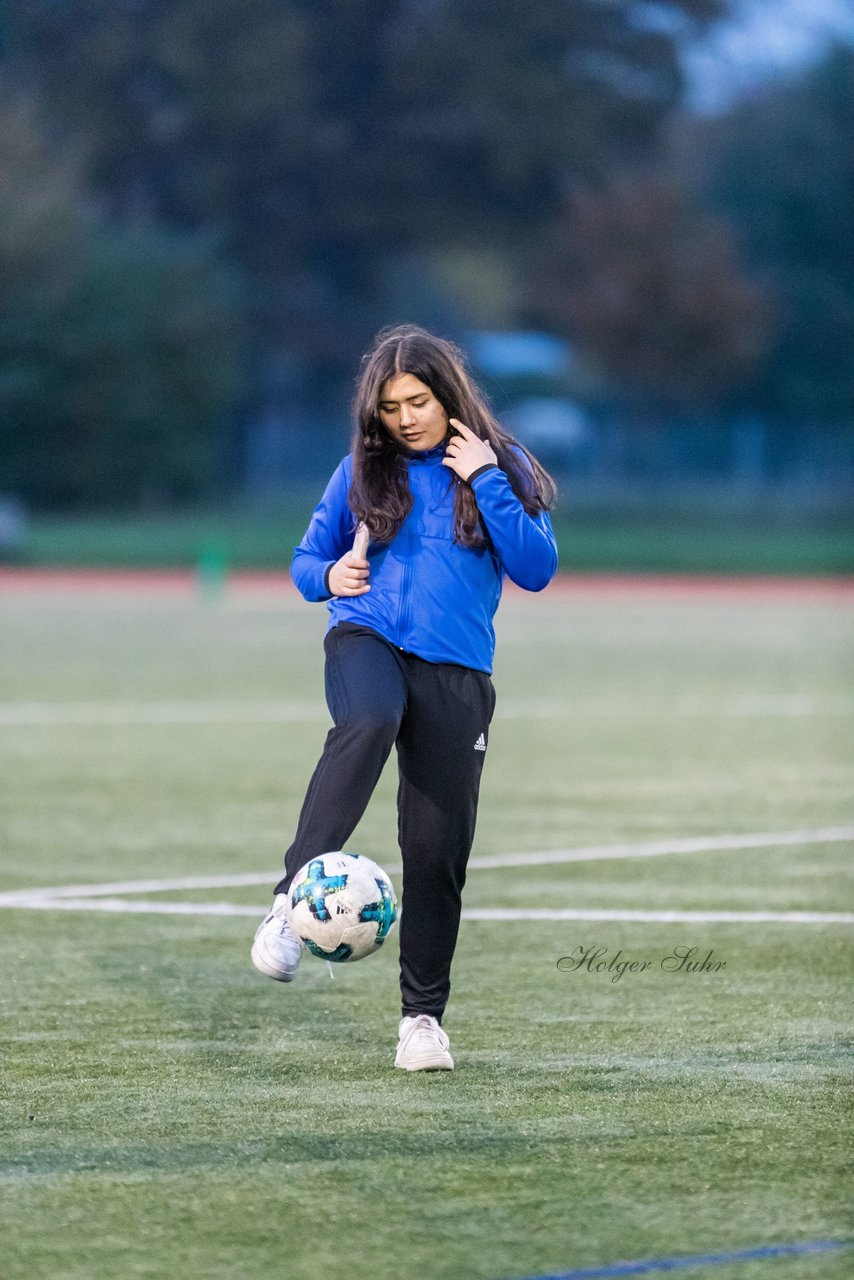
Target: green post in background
212, 570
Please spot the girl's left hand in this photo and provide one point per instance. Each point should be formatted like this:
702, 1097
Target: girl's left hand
466, 452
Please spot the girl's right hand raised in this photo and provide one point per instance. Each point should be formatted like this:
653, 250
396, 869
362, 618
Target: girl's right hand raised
349, 576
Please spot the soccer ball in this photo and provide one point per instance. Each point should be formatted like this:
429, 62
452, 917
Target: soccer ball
342, 906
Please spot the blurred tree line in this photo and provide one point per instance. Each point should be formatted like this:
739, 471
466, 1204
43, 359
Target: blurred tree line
208, 207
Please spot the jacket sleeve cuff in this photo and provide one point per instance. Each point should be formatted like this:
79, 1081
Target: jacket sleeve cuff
326, 574
487, 466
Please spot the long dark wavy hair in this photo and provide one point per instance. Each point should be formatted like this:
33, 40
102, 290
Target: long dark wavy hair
379, 493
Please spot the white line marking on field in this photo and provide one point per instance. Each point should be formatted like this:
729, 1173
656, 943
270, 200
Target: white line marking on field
656, 848
660, 917
132, 906
287, 711
138, 906
103, 897
588, 853
141, 886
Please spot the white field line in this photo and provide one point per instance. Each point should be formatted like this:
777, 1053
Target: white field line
141, 886
588, 853
287, 711
131, 906
660, 917
102, 897
655, 848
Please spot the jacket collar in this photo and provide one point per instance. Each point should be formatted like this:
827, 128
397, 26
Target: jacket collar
436, 454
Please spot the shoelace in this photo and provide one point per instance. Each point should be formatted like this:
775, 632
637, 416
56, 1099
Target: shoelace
284, 924
425, 1029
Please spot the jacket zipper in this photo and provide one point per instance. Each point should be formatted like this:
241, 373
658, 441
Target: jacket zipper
404, 602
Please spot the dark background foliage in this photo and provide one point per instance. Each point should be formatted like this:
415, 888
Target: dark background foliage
208, 208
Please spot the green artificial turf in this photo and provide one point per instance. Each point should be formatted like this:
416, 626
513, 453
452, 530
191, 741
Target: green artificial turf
167, 1111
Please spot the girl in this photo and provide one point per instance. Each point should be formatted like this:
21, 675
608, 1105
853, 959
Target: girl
451, 504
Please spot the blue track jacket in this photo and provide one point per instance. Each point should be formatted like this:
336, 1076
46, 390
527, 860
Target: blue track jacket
429, 595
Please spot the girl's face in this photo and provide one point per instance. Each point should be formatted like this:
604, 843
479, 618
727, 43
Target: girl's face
411, 414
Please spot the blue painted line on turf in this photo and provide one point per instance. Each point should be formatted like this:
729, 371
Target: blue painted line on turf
646, 1265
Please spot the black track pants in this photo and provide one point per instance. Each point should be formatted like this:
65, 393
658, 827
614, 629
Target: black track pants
437, 715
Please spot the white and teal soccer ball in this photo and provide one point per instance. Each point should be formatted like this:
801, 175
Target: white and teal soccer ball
342, 906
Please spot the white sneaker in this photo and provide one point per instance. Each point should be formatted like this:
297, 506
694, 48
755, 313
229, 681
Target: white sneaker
276, 950
423, 1045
